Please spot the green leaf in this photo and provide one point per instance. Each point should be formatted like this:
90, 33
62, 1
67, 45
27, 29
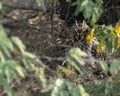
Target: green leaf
20, 70
7, 69
8, 73
42, 4
47, 89
82, 91
59, 86
5, 44
25, 62
115, 89
68, 0
104, 66
29, 55
6, 86
70, 86
19, 44
2, 11
64, 93
117, 77
75, 92
78, 52
2, 32
115, 66
71, 62
87, 8
6, 51
1, 7
2, 57
78, 8
41, 76
91, 10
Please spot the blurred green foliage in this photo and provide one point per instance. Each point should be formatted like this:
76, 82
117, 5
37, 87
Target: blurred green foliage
91, 9
41, 3
62, 87
15, 61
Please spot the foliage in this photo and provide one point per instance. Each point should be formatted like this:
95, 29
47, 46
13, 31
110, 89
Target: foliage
76, 58
1, 9
108, 38
15, 62
76, 61
110, 85
91, 9
105, 87
41, 3
13, 58
62, 87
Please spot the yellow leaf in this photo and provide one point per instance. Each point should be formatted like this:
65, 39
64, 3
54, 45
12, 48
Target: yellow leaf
90, 36
82, 90
16, 51
68, 72
100, 48
118, 43
117, 29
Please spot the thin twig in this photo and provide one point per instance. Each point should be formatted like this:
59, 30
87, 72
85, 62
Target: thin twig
53, 58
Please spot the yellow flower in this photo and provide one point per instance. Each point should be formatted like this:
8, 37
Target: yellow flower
118, 43
100, 48
117, 29
90, 36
